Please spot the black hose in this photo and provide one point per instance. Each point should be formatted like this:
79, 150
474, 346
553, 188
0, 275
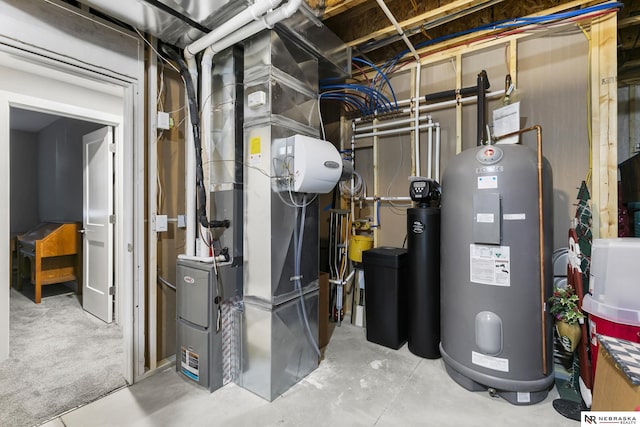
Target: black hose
201, 192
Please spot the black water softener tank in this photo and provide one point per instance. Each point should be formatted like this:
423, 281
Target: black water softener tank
423, 250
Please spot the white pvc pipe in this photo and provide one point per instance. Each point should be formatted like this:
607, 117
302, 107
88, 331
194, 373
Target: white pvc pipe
389, 123
231, 32
152, 200
393, 131
429, 151
282, 12
437, 105
400, 31
265, 22
238, 36
437, 155
376, 184
190, 166
430, 107
189, 188
251, 13
398, 28
352, 205
416, 113
405, 101
219, 258
385, 198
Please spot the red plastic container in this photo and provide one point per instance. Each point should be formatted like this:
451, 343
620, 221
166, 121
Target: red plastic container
613, 302
599, 325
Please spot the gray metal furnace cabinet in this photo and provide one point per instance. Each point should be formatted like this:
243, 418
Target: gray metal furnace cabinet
199, 339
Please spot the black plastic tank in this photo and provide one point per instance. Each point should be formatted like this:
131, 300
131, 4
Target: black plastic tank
423, 246
385, 276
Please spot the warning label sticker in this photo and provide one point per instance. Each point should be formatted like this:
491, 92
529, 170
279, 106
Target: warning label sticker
490, 265
490, 362
190, 364
487, 182
255, 150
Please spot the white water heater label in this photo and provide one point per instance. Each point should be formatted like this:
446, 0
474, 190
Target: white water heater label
490, 181
484, 217
490, 265
490, 362
514, 217
523, 397
189, 363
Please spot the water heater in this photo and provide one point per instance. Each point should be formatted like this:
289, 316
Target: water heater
496, 273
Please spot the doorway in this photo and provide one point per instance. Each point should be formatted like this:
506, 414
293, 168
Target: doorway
61, 355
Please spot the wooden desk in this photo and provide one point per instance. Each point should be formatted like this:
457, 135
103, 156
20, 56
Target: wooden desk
54, 250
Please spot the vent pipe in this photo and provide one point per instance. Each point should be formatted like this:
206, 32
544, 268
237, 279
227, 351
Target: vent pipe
247, 23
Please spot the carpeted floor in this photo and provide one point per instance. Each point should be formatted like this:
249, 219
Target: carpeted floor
60, 357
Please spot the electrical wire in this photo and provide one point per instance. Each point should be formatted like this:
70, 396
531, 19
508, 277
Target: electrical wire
176, 110
262, 171
156, 52
201, 191
291, 202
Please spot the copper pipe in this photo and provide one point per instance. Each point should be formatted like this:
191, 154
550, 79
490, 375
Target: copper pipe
538, 130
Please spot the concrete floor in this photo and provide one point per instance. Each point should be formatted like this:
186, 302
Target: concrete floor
357, 384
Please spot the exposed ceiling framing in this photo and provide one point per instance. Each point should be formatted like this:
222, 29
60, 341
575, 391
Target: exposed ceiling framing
629, 43
363, 25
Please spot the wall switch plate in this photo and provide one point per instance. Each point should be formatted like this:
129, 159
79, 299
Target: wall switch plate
161, 223
164, 121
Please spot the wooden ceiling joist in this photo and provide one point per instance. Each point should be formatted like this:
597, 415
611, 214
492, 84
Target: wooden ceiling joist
337, 7
629, 22
461, 7
466, 39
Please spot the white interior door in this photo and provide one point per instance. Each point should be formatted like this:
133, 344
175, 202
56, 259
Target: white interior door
97, 247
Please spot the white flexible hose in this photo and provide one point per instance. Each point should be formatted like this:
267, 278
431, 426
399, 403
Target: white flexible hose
359, 186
